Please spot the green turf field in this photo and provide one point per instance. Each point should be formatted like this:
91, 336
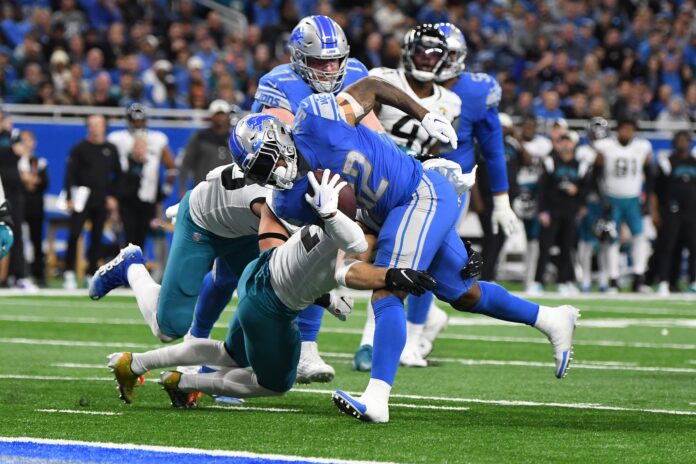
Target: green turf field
490, 395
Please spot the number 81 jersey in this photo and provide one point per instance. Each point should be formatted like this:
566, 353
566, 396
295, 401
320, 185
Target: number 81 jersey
406, 131
623, 166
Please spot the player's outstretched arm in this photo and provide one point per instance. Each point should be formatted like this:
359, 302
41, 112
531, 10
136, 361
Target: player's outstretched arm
359, 275
359, 99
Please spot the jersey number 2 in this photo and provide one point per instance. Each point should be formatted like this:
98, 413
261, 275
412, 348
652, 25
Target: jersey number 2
367, 196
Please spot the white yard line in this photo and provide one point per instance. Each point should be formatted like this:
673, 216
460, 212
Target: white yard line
178, 450
80, 365
593, 406
428, 406
595, 323
49, 342
252, 408
77, 411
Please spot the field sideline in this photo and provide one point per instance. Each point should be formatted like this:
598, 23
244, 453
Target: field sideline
490, 395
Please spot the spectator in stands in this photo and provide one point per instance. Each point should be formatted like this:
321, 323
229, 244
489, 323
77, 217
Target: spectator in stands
675, 117
207, 148
34, 174
92, 163
103, 94
72, 19
26, 89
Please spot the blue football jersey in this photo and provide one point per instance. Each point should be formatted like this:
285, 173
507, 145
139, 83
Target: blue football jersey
283, 88
382, 176
480, 95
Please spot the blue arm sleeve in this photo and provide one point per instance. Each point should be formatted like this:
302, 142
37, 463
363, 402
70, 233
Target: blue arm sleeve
489, 134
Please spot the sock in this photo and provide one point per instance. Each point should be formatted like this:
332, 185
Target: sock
193, 352
236, 382
613, 257
640, 252
531, 259
216, 293
309, 322
390, 338
418, 307
369, 330
499, 303
147, 294
377, 391
603, 266
585, 259
413, 335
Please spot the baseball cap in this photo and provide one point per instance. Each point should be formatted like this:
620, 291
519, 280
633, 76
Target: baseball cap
219, 106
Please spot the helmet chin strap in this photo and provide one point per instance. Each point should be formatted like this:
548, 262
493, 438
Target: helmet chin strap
422, 76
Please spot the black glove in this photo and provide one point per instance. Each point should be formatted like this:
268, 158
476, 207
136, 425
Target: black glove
473, 267
409, 281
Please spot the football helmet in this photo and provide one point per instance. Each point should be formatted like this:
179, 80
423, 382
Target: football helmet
426, 44
319, 38
136, 116
597, 129
258, 143
457, 50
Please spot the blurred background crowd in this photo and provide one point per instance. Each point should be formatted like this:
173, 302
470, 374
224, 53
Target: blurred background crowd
565, 58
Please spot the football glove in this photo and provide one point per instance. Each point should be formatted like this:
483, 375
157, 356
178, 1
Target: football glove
437, 126
473, 266
325, 199
340, 306
503, 217
409, 281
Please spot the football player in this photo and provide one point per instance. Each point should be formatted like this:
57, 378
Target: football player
624, 163
272, 291
424, 54
416, 212
6, 236
320, 63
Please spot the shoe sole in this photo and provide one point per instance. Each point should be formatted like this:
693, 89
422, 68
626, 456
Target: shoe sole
568, 355
347, 408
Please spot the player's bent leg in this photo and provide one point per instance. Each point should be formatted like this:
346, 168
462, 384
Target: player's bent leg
216, 292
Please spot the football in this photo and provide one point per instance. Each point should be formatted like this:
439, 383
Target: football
346, 197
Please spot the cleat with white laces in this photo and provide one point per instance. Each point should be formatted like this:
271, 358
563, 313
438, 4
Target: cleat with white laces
359, 409
435, 324
558, 324
126, 380
114, 274
411, 357
311, 367
362, 360
179, 398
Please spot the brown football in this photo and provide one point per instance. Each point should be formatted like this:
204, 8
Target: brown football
346, 197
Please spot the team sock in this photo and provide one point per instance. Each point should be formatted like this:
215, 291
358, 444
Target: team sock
147, 295
193, 352
390, 338
499, 303
235, 382
418, 308
211, 302
640, 252
531, 259
309, 322
585, 259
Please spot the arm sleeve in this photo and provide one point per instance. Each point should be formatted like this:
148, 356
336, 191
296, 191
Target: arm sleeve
346, 234
489, 134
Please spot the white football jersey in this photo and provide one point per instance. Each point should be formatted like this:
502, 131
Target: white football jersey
623, 166
303, 268
538, 148
221, 204
406, 131
156, 142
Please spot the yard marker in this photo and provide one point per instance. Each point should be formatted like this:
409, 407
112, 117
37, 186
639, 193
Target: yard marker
77, 411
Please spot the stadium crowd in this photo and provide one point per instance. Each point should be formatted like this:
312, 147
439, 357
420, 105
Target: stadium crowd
566, 58
554, 60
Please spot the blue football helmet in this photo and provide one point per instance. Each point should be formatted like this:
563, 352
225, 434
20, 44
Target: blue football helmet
319, 38
456, 44
262, 146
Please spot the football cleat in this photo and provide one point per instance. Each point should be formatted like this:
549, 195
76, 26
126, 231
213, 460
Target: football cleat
362, 360
311, 368
558, 324
411, 357
114, 274
358, 409
179, 398
126, 380
434, 325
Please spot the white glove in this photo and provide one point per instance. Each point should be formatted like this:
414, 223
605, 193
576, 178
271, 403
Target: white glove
325, 199
341, 306
171, 212
453, 173
503, 217
437, 126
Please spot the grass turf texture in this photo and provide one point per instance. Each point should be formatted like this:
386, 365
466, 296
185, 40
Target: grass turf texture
487, 432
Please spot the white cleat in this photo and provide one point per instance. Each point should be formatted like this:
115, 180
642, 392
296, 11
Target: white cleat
663, 289
435, 324
558, 324
534, 289
360, 408
411, 357
311, 367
